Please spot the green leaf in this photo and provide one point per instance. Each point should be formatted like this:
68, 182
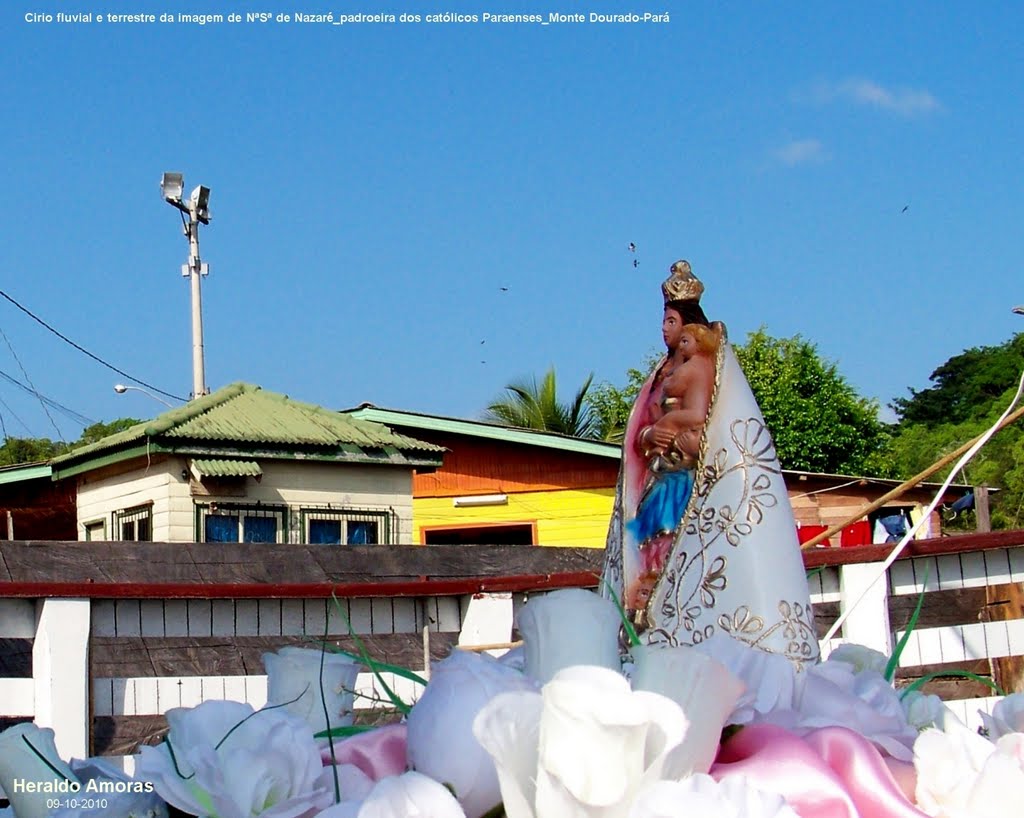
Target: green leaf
631, 635
894, 660
965, 674
345, 731
364, 656
384, 667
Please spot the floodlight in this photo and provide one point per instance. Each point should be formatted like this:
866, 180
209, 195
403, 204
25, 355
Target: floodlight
171, 186
201, 201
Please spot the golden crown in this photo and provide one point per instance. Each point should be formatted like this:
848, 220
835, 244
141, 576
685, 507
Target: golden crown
682, 285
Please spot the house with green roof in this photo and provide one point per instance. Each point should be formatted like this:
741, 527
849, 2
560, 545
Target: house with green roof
247, 465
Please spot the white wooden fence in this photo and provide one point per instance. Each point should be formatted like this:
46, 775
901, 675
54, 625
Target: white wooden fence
100, 656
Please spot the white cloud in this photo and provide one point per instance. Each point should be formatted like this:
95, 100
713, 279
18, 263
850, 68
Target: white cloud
899, 100
802, 152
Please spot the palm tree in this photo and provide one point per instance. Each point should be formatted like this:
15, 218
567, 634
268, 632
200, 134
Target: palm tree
530, 405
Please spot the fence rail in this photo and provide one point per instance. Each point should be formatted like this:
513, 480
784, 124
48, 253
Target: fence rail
98, 640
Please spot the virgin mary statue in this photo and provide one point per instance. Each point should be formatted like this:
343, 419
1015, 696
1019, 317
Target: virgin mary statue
702, 539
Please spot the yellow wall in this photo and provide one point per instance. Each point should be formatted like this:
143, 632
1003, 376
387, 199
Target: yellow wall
573, 518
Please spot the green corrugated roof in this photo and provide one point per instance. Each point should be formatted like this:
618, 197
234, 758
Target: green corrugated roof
241, 419
24, 471
479, 428
223, 467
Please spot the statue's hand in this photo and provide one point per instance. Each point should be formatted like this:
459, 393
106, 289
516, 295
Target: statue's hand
660, 436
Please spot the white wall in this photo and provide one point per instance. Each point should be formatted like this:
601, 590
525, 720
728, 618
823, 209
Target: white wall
165, 483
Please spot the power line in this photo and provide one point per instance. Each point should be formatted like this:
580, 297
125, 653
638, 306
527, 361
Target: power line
21, 366
84, 351
2, 403
64, 410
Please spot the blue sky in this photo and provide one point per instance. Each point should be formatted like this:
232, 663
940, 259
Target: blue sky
375, 186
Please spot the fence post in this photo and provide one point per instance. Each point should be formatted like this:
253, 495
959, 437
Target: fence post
487, 619
60, 671
868, 624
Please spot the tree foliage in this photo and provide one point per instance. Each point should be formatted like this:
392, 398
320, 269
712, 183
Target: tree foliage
611, 404
965, 385
818, 421
17, 450
968, 394
98, 431
29, 450
528, 404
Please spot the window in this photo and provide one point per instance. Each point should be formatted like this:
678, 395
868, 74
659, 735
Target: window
511, 534
220, 522
134, 524
347, 527
95, 530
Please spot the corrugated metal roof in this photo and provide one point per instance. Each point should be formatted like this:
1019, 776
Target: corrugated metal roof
24, 471
242, 416
479, 428
227, 468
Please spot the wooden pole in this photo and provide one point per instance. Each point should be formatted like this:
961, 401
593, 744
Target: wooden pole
909, 484
984, 521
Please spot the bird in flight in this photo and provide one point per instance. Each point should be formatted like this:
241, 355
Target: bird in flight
632, 247
503, 289
636, 263
905, 208
1018, 310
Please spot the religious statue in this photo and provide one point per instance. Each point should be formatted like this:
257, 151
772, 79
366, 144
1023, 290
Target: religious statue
702, 538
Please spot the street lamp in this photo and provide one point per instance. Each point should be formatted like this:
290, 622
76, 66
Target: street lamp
195, 211
120, 388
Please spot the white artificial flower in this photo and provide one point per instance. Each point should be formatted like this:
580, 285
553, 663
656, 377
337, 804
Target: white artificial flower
584, 746
346, 781
948, 763
440, 740
410, 795
833, 694
568, 627
28, 753
116, 794
314, 683
224, 760
860, 658
770, 680
703, 687
701, 795
514, 658
1007, 716
923, 710
1001, 780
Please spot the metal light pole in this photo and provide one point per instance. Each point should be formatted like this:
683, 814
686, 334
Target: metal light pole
120, 388
196, 209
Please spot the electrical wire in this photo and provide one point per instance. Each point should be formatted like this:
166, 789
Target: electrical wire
21, 366
84, 351
71, 414
898, 548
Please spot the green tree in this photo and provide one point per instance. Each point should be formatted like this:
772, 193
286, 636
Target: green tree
968, 393
98, 431
531, 405
965, 385
818, 421
29, 450
611, 405
17, 450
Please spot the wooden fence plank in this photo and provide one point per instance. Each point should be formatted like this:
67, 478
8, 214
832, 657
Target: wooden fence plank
129, 657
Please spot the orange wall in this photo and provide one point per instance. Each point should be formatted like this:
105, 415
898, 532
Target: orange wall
480, 466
